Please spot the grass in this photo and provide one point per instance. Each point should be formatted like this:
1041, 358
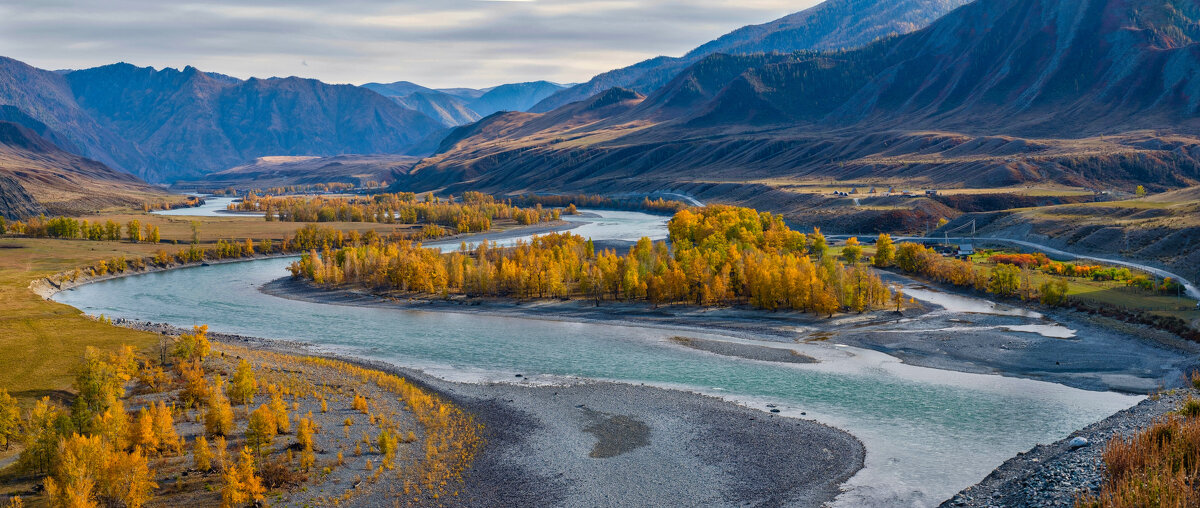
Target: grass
1115, 294
43, 340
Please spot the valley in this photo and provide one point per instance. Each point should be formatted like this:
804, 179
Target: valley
867, 254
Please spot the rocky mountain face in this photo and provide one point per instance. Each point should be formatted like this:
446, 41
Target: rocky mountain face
168, 124
457, 106
37, 177
830, 25
998, 92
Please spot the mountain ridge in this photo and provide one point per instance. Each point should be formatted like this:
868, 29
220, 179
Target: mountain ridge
999, 92
829, 25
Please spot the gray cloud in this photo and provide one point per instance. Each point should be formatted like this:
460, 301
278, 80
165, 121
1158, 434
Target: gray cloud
437, 43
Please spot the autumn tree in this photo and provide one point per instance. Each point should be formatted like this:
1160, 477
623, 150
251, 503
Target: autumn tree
261, 429
90, 471
240, 485
280, 410
201, 455
242, 385
304, 438
133, 230
1140, 191
218, 420
1054, 292
99, 384
885, 251
44, 425
192, 346
164, 430
10, 417
852, 251
1005, 280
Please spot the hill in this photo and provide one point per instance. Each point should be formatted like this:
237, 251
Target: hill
267, 172
830, 25
37, 177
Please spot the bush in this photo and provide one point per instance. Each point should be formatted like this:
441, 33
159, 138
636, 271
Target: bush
1190, 407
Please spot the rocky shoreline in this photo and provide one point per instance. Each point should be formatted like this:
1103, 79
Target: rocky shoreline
1055, 475
600, 443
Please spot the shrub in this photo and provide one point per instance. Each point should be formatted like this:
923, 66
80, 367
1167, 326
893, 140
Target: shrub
1190, 407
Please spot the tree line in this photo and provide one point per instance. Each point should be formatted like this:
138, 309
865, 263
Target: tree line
658, 205
474, 213
719, 255
81, 229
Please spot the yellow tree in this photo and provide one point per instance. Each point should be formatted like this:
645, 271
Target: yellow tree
885, 250
240, 485
164, 430
279, 408
134, 230
218, 420
193, 346
261, 429
242, 385
852, 251
142, 432
10, 417
201, 455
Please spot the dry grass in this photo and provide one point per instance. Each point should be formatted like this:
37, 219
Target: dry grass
1159, 466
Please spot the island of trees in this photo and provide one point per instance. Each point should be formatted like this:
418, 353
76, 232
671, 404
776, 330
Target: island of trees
717, 255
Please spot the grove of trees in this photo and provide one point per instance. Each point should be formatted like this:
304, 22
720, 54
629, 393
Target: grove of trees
718, 255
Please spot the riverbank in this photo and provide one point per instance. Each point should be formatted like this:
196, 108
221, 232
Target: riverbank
582, 443
1054, 475
972, 338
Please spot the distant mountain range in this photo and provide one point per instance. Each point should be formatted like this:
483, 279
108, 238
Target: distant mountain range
995, 93
830, 25
458, 106
168, 124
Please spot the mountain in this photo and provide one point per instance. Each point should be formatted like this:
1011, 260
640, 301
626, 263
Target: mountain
168, 124
830, 25
465, 93
37, 177
513, 97
445, 108
458, 106
1087, 93
46, 97
397, 89
266, 172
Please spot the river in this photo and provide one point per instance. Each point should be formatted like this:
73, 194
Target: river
928, 433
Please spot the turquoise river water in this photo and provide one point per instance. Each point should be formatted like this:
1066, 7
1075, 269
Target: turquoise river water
928, 433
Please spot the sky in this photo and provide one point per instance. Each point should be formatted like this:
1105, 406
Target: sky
436, 43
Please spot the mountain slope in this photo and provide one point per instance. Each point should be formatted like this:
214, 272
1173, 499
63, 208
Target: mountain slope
514, 97
1089, 93
445, 108
46, 97
37, 177
830, 25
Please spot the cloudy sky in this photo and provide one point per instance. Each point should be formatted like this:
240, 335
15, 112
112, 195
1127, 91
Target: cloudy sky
440, 43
